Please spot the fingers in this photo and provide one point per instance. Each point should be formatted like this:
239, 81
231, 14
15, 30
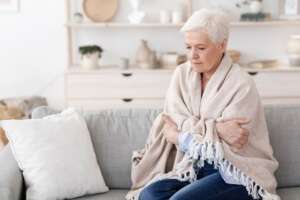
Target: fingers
235, 150
243, 132
241, 140
243, 121
239, 120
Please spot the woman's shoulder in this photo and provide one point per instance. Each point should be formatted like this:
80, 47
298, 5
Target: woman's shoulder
241, 76
183, 67
182, 70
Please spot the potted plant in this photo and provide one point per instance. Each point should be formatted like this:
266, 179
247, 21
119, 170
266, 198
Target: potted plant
90, 55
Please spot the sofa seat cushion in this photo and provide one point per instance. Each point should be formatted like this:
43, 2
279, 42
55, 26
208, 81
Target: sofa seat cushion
111, 195
291, 193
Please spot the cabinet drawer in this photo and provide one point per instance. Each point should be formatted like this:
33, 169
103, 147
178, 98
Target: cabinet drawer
115, 103
117, 85
274, 84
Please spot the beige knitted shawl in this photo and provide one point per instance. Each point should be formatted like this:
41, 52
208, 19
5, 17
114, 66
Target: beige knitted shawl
230, 93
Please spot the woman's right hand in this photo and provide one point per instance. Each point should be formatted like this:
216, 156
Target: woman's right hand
232, 132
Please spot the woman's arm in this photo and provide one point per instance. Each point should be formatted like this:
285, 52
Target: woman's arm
231, 131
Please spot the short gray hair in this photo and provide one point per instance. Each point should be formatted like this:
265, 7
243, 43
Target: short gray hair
214, 22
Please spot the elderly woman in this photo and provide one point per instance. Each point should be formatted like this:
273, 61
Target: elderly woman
211, 141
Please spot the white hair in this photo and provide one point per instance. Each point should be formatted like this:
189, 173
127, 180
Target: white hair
212, 21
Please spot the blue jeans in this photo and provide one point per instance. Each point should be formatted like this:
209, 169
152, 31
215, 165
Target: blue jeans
209, 186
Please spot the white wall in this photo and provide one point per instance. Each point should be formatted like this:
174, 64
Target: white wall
32, 50
33, 44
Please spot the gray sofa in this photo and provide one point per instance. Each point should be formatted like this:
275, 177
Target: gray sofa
116, 133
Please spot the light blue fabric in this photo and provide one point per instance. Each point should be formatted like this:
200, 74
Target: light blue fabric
184, 142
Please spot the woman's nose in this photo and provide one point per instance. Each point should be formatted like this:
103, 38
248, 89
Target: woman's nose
194, 53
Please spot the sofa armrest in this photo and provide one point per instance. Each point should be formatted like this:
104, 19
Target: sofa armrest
11, 180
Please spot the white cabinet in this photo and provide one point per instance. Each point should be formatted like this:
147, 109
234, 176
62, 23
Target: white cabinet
278, 87
102, 89
117, 89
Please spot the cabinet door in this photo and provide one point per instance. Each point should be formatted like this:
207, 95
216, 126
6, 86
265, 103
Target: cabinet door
278, 84
117, 85
115, 103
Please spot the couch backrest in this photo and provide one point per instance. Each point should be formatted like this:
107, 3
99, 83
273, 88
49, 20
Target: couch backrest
116, 133
284, 129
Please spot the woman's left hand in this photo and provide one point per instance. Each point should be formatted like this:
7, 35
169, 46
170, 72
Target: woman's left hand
170, 130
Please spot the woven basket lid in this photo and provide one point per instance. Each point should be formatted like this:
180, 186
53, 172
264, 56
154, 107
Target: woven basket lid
100, 10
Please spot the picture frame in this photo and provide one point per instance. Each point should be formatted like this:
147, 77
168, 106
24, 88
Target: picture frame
9, 6
289, 9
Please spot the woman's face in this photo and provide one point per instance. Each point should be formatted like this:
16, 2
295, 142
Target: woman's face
203, 54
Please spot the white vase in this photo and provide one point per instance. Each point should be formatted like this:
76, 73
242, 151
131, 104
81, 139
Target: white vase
255, 6
90, 61
294, 44
177, 17
136, 16
165, 17
144, 56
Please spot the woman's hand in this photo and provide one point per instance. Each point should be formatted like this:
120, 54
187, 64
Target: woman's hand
170, 130
232, 132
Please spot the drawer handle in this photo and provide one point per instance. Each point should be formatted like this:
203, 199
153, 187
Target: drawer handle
127, 74
252, 73
127, 100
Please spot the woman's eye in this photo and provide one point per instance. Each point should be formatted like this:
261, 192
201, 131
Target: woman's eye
188, 48
201, 49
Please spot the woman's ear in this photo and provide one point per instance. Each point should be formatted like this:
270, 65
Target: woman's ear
223, 45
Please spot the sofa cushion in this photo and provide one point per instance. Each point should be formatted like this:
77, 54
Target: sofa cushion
61, 146
284, 129
111, 195
115, 134
292, 193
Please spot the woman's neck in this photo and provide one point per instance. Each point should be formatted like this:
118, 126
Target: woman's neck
205, 76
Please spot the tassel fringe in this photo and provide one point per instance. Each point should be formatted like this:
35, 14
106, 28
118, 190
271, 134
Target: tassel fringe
214, 154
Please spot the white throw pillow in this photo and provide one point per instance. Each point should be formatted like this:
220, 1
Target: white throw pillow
56, 156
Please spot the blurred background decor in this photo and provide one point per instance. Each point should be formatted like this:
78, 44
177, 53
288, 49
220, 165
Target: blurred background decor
100, 10
263, 64
145, 57
294, 50
171, 60
90, 55
255, 11
77, 17
9, 6
235, 55
136, 16
18, 108
290, 9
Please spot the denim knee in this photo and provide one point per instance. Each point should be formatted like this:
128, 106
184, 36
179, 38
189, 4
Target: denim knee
147, 193
178, 197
